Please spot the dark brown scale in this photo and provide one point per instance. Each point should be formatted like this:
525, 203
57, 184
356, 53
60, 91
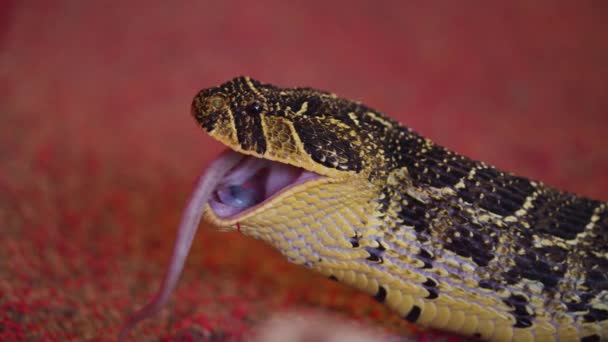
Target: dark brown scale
533, 266
585, 306
354, 241
431, 286
380, 295
426, 257
435, 166
596, 276
596, 315
448, 168
376, 253
471, 240
591, 338
375, 259
413, 214
328, 148
577, 306
561, 214
595, 266
465, 237
554, 254
497, 192
414, 314
523, 317
248, 121
545, 264
489, 284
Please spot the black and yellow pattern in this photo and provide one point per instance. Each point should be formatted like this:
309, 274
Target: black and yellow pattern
445, 241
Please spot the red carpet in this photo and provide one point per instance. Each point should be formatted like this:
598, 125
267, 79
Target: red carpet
98, 151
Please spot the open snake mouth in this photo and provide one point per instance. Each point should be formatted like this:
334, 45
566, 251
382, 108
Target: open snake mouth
233, 184
251, 183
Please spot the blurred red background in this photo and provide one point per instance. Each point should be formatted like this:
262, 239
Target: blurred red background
98, 152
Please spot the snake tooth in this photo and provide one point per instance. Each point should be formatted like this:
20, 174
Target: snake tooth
446, 241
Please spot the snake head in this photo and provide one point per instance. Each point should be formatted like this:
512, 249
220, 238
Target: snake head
294, 138
302, 127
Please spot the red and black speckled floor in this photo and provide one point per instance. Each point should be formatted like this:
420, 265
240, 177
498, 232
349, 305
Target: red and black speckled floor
98, 151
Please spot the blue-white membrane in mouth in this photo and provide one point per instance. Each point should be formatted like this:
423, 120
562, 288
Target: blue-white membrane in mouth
254, 181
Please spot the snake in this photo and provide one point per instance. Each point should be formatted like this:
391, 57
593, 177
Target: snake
445, 241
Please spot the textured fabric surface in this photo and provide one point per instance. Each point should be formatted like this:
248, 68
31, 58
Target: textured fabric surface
98, 152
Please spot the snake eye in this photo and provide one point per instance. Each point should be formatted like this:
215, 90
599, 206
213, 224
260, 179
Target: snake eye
254, 108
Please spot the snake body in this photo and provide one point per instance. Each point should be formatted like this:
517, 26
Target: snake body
445, 241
